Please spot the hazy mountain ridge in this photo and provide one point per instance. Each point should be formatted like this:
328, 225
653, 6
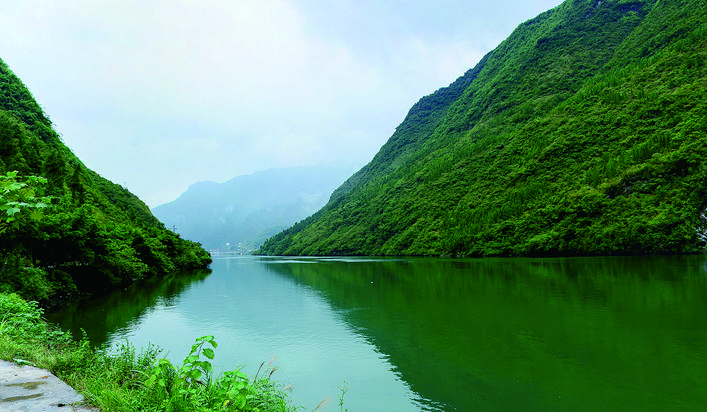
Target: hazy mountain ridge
248, 209
96, 236
582, 133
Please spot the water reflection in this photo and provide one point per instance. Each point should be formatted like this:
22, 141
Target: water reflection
119, 310
520, 334
575, 334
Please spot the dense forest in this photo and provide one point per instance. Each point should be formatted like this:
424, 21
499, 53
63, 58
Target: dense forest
583, 133
64, 230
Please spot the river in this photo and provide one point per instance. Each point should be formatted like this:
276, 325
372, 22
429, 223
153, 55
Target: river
560, 334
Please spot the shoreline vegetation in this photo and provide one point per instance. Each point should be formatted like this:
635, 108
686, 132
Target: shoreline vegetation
51, 255
134, 380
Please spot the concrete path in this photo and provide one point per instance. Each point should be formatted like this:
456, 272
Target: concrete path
30, 389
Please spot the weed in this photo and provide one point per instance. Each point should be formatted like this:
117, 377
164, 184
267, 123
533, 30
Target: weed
342, 389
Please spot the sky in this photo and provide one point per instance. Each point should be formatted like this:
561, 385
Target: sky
158, 94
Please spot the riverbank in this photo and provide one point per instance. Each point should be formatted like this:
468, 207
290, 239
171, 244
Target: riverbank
132, 380
26, 388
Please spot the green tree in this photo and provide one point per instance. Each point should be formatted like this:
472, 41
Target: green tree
18, 197
20, 200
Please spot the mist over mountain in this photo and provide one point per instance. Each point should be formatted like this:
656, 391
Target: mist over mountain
583, 133
241, 213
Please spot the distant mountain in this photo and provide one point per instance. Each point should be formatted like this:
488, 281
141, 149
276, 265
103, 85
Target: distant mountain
241, 213
95, 236
584, 132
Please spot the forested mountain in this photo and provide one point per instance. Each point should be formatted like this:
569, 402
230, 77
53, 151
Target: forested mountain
65, 230
584, 132
244, 211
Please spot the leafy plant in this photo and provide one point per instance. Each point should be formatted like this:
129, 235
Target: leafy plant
193, 383
18, 194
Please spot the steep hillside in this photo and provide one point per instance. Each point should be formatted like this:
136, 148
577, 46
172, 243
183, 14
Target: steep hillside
95, 235
244, 211
584, 132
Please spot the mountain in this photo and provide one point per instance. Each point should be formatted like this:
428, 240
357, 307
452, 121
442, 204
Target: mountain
242, 213
64, 230
584, 132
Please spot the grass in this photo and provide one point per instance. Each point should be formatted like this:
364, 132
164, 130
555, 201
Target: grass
132, 380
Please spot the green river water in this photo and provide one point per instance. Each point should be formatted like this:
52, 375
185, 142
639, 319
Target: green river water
561, 334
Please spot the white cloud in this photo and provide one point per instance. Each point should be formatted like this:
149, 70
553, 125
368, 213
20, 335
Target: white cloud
158, 94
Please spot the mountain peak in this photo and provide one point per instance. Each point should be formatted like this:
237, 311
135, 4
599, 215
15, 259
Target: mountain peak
581, 133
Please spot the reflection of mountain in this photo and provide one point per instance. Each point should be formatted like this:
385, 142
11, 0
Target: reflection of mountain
103, 315
562, 334
248, 209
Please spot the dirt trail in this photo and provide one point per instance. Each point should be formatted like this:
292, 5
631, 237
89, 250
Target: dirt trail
30, 389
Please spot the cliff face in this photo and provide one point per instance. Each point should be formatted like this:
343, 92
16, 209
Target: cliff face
582, 133
96, 235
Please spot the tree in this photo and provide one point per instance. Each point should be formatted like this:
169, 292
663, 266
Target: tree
18, 196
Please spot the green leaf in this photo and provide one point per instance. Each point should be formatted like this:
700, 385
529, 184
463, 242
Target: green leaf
206, 366
209, 353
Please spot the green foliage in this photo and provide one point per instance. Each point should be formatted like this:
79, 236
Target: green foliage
18, 317
22, 327
193, 385
18, 195
95, 235
582, 133
19, 199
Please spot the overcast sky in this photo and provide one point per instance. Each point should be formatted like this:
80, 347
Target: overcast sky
159, 94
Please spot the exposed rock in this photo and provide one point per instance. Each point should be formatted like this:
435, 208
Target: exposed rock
30, 389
